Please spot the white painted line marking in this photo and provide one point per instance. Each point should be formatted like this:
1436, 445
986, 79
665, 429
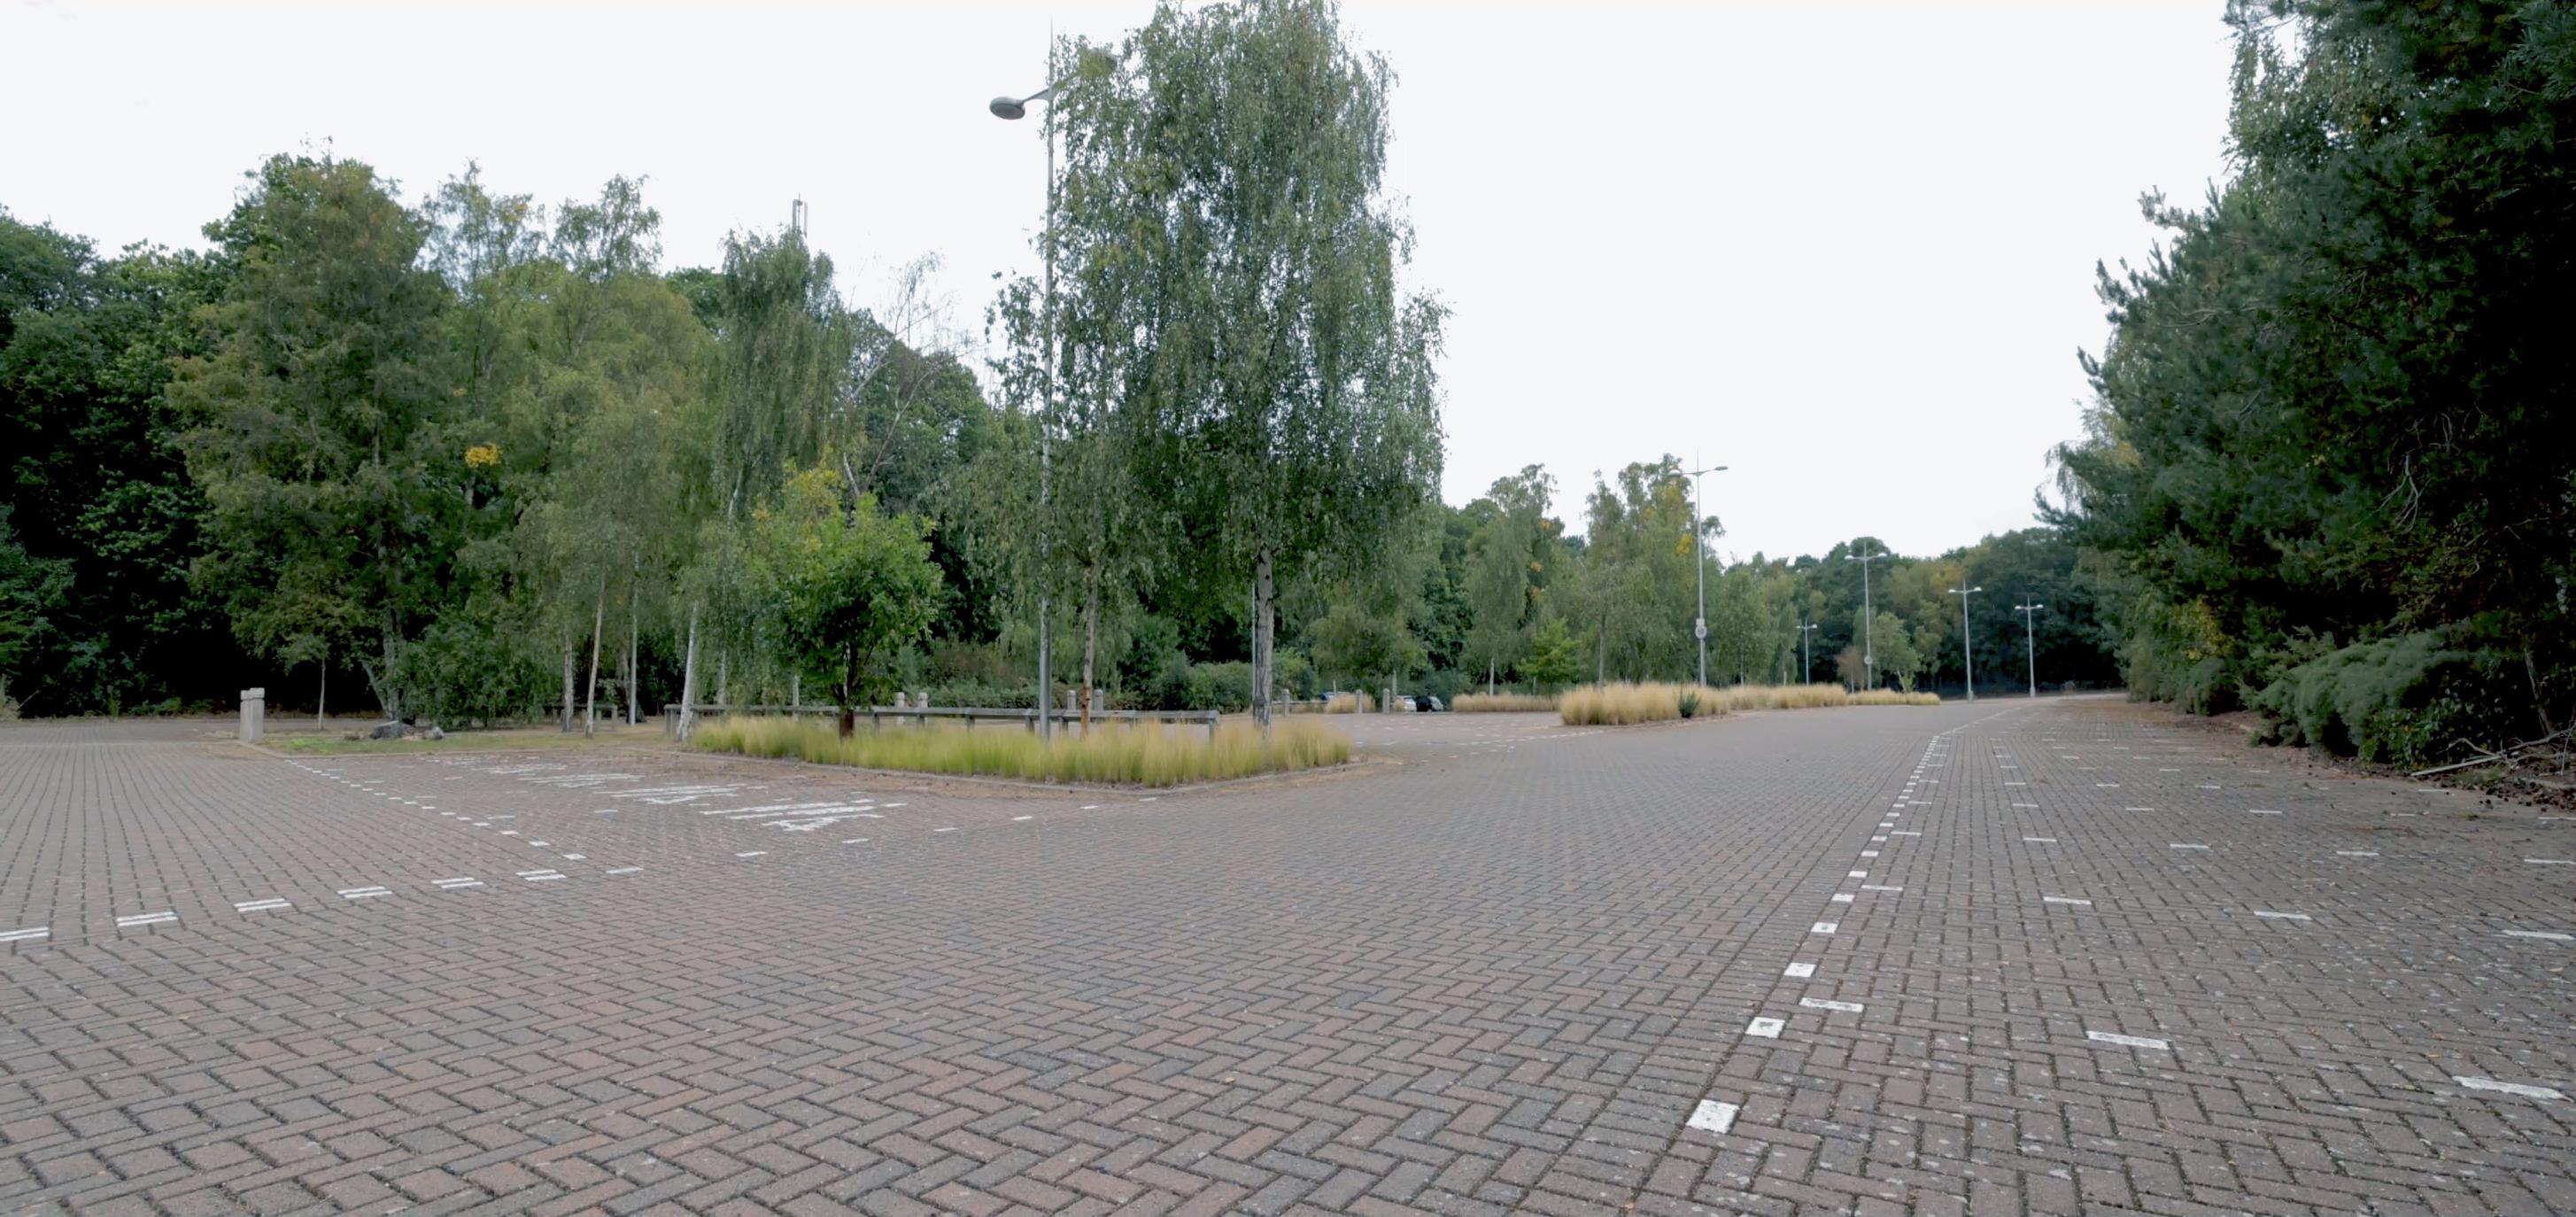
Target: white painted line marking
1818, 1003
2356, 853
1713, 1116
2106, 785
2261, 811
2283, 916
2025, 804
1091, 807
2551, 861
2127, 1041
453, 884
1765, 1028
576, 857
1799, 971
2039, 840
1842, 897
129, 922
2185, 845
2137, 809
540, 843
1869, 853
530, 874
1858, 874
541, 878
2542, 935
751, 853
950, 828
1017, 819
1905, 834
364, 893
628, 870
260, 906
1874, 887
2064, 900
2211, 786
1880, 840
2512, 1088
2016, 783
27, 935
1825, 927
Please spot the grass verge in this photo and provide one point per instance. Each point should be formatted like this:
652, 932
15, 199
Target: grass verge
1497, 703
1624, 703
1142, 755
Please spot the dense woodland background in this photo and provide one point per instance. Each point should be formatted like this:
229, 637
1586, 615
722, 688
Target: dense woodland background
452, 455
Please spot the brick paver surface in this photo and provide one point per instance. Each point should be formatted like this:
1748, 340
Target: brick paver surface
1981, 958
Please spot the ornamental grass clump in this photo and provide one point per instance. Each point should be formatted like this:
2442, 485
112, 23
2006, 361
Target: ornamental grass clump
1500, 703
1147, 754
1623, 703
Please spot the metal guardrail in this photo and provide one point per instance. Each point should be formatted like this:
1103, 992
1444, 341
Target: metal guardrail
921, 715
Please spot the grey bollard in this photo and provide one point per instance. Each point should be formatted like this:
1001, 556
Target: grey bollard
254, 714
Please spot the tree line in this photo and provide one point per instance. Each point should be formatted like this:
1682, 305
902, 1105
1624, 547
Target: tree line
471, 457
2330, 472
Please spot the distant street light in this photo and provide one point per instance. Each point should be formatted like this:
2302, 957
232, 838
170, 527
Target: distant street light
1807, 652
1015, 108
1699, 545
1868, 650
1967, 648
2030, 635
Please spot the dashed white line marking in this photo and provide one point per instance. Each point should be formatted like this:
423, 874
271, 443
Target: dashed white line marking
1842, 898
2356, 853
1017, 819
628, 870
2542, 935
2185, 845
950, 828
2261, 811
2127, 1041
2551, 861
1874, 887
2512, 1088
458, 882
2064, 900
1858, 874
1799, 971
2039, 840
1825, 927
1765, 1028
2264, 913
27, 935
1908, 833
751, 853
138, 919
364, 893
2026, 805
1819, 1003
1869, 853
1713, 1116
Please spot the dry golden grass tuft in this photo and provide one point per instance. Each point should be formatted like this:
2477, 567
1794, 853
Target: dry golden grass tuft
1142, 755
1493, 703
1623, 703
1350, 703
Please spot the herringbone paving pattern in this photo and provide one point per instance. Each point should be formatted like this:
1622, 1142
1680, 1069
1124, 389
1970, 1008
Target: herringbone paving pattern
1504, 970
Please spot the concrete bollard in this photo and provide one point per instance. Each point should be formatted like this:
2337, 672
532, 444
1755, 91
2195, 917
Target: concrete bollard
254, 714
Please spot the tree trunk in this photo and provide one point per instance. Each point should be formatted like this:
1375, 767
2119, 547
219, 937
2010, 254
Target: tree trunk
1489, 678
564, 720
386, 690
1261, 642
724, 677
689, 679
634, 686
1090, 639
1601, 657
321, 690
598, 625
850, 699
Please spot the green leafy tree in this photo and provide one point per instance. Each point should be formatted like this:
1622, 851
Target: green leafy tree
1901, 651
320, 418
1507, 559
1223, 218
844, 585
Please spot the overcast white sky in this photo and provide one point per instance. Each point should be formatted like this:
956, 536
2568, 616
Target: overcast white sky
1846, 249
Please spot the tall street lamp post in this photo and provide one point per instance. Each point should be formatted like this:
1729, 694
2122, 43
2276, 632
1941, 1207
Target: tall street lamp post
1699, 544
2030, 637
1015, 108
1806, 652
1967, 648
1868, 650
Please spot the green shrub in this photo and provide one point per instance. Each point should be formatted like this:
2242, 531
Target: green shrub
2402, 700
1144, 754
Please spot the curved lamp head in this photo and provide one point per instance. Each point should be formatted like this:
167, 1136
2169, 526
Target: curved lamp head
1009, 107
